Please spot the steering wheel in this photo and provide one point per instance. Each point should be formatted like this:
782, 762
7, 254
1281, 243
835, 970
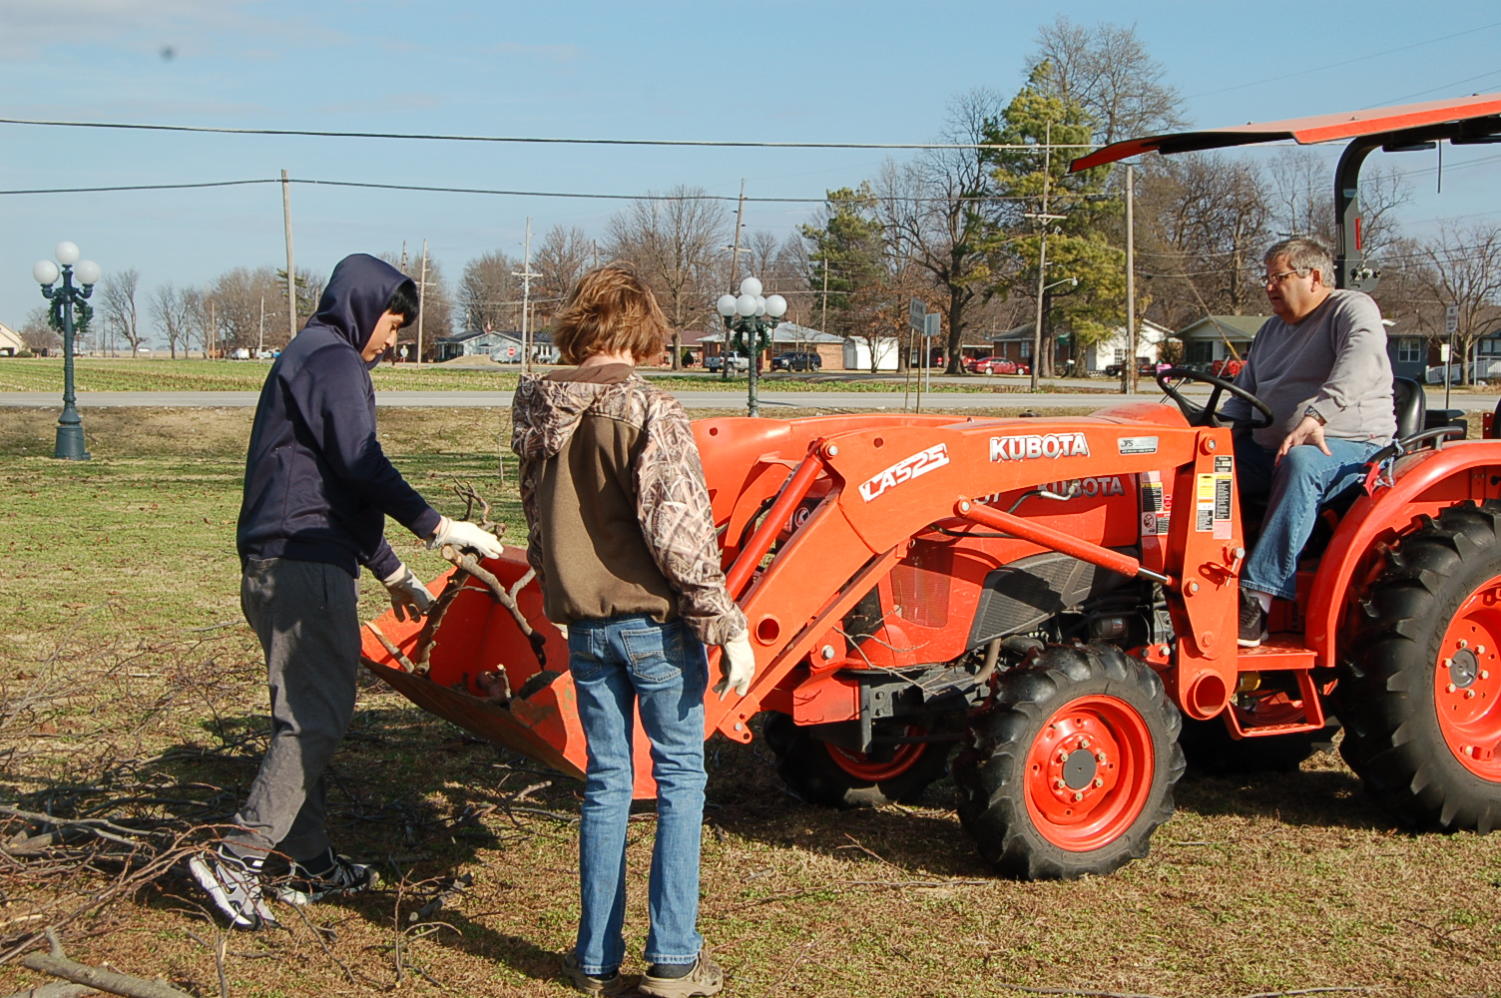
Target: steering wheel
1208, 413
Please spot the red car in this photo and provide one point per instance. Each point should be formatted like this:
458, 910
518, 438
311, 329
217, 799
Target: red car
997, 365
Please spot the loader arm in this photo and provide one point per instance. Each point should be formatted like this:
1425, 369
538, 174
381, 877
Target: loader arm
879, 486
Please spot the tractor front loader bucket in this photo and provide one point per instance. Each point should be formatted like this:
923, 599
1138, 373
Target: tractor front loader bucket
470, 663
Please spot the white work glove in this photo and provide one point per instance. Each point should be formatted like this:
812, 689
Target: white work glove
408, 595
463, 534
563, 630
737, 663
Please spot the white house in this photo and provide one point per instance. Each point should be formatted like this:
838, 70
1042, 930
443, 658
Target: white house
857, 353
501, 346
10, 341
1117, 350
1218, 337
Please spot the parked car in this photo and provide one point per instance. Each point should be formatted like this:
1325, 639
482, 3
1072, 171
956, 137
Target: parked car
999, 365
738, 362
797, 361
1144, 369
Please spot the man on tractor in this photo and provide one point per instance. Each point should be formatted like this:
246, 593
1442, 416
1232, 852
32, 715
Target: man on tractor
1320, 364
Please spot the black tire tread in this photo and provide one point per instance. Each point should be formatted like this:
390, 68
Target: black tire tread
992, 800
1385, 697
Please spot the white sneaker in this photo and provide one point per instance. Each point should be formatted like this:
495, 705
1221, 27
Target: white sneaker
234, 884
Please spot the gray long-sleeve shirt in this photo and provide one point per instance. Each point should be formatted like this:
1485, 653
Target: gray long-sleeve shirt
1334, 362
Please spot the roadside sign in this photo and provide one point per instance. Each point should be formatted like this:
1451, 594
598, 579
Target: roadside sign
915, 314
932, 324
1451, 319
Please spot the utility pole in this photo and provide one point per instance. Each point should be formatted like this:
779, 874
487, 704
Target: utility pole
286, 222
260, 335
1042, 250
526, 276
421, 297
1128, 370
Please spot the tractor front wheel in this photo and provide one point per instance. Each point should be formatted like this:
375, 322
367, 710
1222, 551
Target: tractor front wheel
1421, 695
821, 772
1071, 766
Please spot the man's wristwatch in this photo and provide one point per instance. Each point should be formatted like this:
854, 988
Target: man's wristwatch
1311, 411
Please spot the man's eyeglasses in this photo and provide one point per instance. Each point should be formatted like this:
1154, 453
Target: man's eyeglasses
1277, 279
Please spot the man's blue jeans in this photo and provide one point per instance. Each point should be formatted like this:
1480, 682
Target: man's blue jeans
1296, 486
617, 663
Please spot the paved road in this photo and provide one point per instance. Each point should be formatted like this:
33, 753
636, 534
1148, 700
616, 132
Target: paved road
732, 399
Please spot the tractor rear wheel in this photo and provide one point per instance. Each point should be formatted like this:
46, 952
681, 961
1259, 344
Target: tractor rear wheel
1071, 766
821, 772
1421, 695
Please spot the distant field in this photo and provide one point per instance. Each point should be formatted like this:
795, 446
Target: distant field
99, 374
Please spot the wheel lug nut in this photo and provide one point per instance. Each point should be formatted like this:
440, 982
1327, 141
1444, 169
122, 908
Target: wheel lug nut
1059, 784
1485, 673
1463, 643
1063, 756
1084, 743
1480, 649
1450, 688
1099, 757
1448, 663
1099, 782
1469, 694
1078, 796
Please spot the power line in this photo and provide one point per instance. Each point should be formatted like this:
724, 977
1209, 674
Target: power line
533, 140
1347, 62
497, 192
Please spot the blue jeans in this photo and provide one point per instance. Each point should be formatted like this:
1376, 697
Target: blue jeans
661, 668
1296, 486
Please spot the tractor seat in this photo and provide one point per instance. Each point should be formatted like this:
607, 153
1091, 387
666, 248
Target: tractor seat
1411, 407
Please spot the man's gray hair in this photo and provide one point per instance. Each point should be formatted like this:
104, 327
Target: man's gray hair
1304, 254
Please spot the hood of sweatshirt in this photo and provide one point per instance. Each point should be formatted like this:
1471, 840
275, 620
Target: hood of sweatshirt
357, 294
547, 410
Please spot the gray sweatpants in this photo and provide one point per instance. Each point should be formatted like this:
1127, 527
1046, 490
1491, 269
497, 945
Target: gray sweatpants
305, 614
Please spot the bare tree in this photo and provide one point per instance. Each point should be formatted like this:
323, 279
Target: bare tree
1202, 227
562, 258
37, 332
1302, 199
174, 311
1110, 73
119, 301
489, 295
935, 215
1464, 268
674, 243
245, 307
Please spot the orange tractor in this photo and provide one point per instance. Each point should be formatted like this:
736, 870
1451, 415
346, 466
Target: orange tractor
1057, 598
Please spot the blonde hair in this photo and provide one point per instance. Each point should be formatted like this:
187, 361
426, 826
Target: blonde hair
610, 310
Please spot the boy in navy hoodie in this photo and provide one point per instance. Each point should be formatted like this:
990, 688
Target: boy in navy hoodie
317, 491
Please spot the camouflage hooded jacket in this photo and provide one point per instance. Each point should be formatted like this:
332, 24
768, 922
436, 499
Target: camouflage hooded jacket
617, 512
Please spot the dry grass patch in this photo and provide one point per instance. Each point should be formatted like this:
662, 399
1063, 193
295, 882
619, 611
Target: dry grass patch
131, 693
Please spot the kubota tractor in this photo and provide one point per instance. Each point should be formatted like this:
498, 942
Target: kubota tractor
1056, 597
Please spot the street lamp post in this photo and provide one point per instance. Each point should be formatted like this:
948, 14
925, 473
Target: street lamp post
751, 317
70, 446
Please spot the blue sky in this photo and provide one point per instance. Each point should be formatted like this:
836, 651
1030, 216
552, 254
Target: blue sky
809, 71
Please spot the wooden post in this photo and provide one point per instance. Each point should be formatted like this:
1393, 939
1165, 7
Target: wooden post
422, 296
286, 221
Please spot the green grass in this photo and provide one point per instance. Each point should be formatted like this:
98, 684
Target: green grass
134, 690
98, 374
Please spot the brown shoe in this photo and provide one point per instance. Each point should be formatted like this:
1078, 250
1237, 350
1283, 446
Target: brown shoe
706, 978
614, 984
